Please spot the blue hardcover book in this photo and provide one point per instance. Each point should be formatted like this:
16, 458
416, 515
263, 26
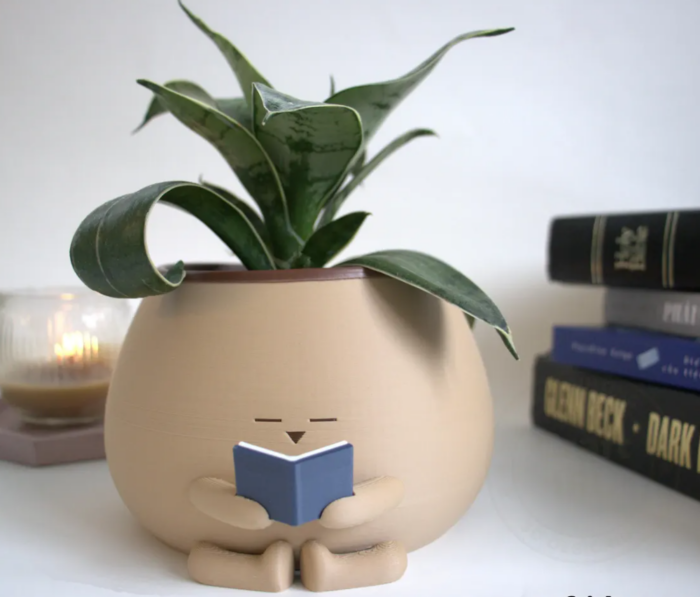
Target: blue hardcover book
658, 358
294, 489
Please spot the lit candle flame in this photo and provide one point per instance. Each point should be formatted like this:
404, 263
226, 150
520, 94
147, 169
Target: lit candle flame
77, 348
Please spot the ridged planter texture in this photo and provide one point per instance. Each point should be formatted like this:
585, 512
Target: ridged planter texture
338, 354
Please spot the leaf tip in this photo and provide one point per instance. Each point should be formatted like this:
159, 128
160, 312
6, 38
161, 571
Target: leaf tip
501, 31
146, 83
260, 86
201, 25
507, 338
175, 274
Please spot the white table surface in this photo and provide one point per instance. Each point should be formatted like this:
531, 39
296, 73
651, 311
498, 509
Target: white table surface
552, 521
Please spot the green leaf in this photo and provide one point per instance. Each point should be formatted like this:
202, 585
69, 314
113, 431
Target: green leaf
252, 215
188, 88
375, 102
337, 200
332, 85
312, 146
109, 251
237, 109
439, 279
246, 157
359, 164
329, 240
245, 72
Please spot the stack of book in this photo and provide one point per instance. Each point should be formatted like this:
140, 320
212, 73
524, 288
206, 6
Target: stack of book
629, 390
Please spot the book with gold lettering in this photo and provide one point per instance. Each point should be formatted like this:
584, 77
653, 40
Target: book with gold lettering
643, 250
648, 428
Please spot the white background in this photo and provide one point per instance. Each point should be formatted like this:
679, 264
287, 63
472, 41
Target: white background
588, 106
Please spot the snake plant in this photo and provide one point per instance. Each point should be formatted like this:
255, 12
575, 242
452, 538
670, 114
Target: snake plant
298, 160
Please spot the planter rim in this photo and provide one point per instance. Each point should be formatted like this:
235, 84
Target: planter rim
232, 273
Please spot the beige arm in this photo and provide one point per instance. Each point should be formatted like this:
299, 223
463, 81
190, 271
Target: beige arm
217, 499
372, 499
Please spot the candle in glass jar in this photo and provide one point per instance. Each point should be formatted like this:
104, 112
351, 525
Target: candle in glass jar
70, 388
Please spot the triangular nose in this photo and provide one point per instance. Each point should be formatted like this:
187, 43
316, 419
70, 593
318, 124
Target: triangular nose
295, 436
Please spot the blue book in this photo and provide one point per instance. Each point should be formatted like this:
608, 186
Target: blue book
294, 489
658, 358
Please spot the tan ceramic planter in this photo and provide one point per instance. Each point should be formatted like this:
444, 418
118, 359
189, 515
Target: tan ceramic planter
398, 369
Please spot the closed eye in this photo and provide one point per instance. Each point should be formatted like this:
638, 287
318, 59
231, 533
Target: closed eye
268, 420
322, 420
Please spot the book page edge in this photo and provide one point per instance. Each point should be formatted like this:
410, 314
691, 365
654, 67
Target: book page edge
287, 457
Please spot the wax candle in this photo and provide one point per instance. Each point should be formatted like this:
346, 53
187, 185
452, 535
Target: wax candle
69, 389
57, 404
58, 348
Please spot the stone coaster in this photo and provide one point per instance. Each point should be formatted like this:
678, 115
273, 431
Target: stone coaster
39, 446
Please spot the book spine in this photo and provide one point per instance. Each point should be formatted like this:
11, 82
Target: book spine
650, 357
645, 250
649, 429
666, 312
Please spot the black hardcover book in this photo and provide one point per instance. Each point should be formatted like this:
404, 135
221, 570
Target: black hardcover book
643, 250
651, 429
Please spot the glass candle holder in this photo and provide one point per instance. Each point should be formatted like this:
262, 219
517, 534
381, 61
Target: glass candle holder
58, 348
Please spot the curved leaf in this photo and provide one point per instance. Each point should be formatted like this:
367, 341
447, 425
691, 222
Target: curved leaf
329, 240
359, 163
335, 203
188, 88
237, 109
245, 72
439, 279
246, 157
375, 102
252, 215
312, 146
109, 251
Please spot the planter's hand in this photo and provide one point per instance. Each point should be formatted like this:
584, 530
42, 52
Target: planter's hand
372, 499
217, 499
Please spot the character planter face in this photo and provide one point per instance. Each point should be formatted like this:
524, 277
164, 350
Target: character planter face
296, 417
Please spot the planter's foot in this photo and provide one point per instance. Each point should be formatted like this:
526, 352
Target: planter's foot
271, 571
322, 570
